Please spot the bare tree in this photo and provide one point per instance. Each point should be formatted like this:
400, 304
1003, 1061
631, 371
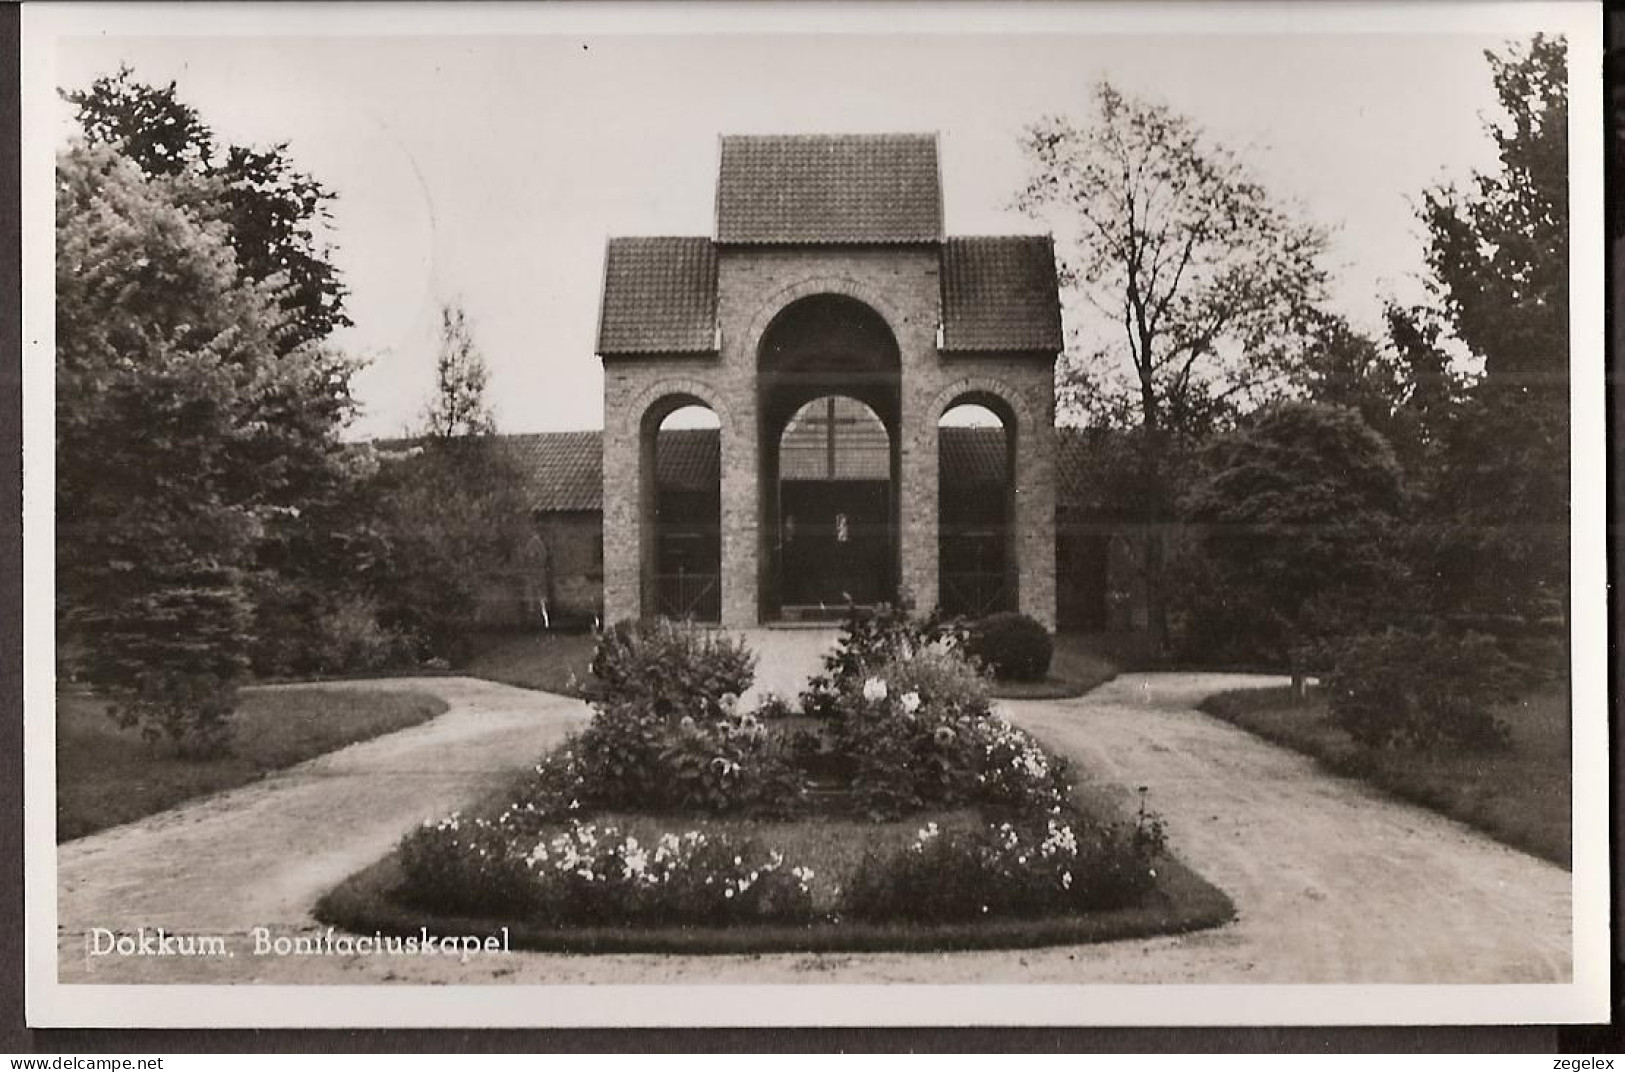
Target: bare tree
1196, 281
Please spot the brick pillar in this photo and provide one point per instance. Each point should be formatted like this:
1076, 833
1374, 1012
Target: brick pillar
626, 525
917, 506
741, 517
1035, 517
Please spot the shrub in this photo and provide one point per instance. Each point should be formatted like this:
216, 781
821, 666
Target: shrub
667, 731
350, 640
192, 710
619, 752
586, 874
464, 865
733, 765
871, 638
590, 874
1036, 868
1400, 689
1013, 647
676, 669
923, 731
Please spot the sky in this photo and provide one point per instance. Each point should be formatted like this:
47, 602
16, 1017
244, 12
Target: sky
491, 170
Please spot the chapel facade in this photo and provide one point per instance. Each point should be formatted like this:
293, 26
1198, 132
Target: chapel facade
828, 326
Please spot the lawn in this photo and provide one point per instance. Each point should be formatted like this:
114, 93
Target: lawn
106, 776
1519, 797
551, 662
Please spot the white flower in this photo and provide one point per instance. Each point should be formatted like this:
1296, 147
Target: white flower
910, 702
874, 689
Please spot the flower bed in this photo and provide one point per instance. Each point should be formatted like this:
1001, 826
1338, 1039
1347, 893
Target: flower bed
676, 810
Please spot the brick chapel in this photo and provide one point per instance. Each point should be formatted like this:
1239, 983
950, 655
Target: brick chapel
828, 327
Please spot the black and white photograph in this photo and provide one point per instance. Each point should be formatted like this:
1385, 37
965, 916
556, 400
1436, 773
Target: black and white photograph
835, 515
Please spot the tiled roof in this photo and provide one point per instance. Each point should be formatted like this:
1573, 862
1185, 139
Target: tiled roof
563, 470
972, 455
688, 459
829, 188
1000, 293
660, 296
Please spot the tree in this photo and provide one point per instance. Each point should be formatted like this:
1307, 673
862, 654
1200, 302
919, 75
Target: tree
274, 214
1496, 529
181, 429
1177, 246
454, 517
453, 507
274, 219
458, 406
1498, 250
1296, 513
1204, 278
1403, 386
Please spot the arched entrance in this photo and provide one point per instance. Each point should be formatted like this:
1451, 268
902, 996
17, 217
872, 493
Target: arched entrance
682, 467
828, 379
976, 552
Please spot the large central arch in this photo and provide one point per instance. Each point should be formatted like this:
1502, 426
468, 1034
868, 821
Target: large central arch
828, 379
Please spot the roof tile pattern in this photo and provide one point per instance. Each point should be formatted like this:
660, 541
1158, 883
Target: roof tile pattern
564, 470
829, 188
1000, 294
688, 459
660, 296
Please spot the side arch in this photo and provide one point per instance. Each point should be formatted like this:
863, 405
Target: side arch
665, 396
978, 390
1030, 513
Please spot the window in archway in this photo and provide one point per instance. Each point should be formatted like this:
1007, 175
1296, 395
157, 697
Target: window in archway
835, 438
834, 507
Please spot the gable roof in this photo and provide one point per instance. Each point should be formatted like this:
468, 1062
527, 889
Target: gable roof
829, 189
1000, 293
660, 296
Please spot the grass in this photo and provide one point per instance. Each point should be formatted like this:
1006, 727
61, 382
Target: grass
1078, 666
1520, 797
551, 662
106, 776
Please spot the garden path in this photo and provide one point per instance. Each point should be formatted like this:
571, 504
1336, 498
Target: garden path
1332, 882
785, 659
263, 853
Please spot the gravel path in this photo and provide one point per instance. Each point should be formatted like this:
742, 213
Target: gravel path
1332, 883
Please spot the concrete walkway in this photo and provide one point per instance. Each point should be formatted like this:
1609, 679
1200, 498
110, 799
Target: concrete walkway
785, 659
1332, 882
